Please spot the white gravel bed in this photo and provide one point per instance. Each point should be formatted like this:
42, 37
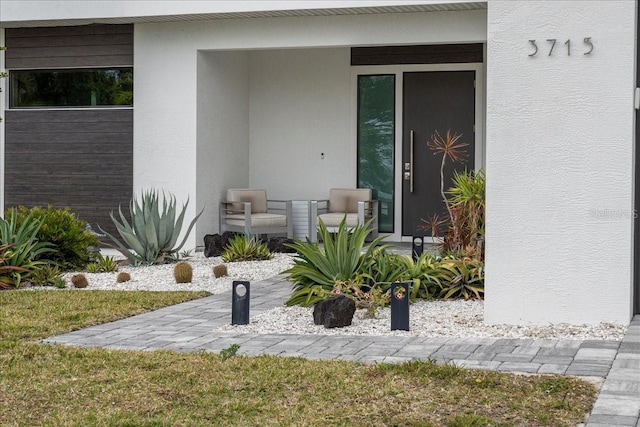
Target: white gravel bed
160, 277
462, 319
454, 319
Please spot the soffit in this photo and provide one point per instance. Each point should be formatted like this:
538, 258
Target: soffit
443, 7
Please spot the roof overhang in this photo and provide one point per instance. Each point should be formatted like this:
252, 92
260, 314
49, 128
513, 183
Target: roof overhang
13, 9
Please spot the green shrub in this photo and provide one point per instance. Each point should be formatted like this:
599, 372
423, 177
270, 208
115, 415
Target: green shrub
152, 235
24, 251
245, 248
72, 242
342, 260
48, 275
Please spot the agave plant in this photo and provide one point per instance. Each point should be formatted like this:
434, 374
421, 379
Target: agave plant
343, 259
152, 235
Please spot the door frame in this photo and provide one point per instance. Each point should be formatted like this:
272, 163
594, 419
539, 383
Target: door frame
398, 71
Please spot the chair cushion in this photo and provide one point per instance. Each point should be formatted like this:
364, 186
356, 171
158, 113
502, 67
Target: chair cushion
334, 219
258, 199
259, 220
346, 199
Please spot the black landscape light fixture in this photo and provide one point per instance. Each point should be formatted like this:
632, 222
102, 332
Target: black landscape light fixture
400, 306
240, 303
417, 246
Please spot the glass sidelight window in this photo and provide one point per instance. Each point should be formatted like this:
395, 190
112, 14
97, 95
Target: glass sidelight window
376, 131
71, 88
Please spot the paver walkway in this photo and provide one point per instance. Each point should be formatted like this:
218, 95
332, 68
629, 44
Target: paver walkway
188, 327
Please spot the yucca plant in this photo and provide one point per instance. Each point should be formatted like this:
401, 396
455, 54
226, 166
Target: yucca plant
245, 248
152, 235
343, 259
24, 250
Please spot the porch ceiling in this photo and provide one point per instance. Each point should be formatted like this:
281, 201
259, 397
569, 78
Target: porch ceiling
431, 7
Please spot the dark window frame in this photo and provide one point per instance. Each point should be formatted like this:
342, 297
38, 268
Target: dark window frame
92, 98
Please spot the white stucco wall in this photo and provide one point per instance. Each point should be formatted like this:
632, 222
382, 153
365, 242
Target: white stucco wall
299, 110
559, 162
222, 131
170, 92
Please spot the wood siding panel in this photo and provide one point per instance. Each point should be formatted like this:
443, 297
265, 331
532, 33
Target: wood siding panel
423, 54
69, 47
81, 159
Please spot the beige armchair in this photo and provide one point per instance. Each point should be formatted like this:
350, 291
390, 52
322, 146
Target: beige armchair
355, 205
249, 211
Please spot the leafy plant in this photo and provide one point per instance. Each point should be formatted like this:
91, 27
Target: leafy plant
464, 202
153, 232
465, 278
7, 272
317, 270
246, 248
103, 264
72, 242
48, 275
24, 249
229, 352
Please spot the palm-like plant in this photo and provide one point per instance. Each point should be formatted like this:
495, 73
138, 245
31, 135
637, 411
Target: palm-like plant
22, 251
343, 259
152, 235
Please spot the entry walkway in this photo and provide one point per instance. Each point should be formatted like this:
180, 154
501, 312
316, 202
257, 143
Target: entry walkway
188, 327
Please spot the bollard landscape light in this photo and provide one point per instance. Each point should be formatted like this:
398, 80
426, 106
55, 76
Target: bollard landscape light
417, 247
240, 303
399, 306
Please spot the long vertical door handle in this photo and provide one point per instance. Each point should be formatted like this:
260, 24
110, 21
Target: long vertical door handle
411, 161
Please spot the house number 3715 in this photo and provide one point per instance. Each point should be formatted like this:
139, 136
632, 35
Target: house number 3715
551, 43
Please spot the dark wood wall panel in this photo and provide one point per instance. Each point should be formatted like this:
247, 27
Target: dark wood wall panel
81, 159
419, 54
68, 47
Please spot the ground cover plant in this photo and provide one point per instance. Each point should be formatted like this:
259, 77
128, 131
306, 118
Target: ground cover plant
53, 385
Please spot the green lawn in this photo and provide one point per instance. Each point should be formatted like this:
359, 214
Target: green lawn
53, 385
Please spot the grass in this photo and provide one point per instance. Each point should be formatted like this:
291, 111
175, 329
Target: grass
54, 385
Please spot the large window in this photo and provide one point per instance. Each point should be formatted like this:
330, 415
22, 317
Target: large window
376, 130
71, 88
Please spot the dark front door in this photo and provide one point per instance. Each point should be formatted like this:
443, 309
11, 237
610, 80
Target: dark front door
434, 101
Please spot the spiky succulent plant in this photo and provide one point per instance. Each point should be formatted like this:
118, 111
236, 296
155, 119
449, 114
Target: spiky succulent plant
152, 235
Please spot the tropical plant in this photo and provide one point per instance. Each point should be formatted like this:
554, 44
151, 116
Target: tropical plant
242, 247
7, 272
103, 264
465, 278
24, 250
47, 275
152, 235
72, 242
317, 270
464, 202
427, 275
